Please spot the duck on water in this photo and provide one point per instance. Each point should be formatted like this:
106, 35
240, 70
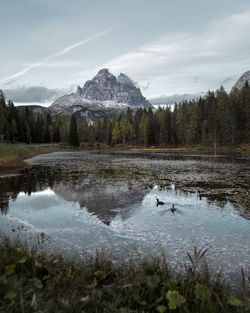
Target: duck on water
159, 202
172, 209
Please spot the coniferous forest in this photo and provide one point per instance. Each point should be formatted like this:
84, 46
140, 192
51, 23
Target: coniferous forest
216, 118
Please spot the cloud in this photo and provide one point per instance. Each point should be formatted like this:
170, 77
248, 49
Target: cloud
173, 62
143, 84
227, 80
53, 56
10, 82
163, 100
33, 94
57, 64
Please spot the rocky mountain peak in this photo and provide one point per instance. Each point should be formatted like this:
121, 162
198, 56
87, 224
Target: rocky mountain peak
245, 77
104, 72
103, 95
104, 79
106, 87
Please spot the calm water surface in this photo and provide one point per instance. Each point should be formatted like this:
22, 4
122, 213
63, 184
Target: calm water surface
88, 201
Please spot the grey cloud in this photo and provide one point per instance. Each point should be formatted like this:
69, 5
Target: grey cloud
175, 98
197, 79
32, 94
124, 79
144, 85
10, 82
196, 60
227, 80
55, 55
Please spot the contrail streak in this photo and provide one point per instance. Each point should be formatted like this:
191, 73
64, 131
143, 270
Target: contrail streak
53, 56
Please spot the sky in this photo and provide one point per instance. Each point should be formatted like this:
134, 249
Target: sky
167, 47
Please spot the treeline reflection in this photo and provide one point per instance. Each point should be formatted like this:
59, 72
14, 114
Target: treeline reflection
31, 180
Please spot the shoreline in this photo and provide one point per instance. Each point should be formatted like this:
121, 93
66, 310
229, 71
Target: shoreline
243, 150
13, 156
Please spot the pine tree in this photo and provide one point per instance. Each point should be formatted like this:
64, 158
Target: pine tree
82, 131
64, 128
132, 135
141, 129
91, 138
73, 133
212, 125
124, 130
3, 121
56, 133
13, 131
224, 116
193, 123
116, 134
161, 120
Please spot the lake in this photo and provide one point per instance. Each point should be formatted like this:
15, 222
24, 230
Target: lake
88, 201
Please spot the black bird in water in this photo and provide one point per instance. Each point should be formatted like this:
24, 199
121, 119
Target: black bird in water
159, 202
173, 209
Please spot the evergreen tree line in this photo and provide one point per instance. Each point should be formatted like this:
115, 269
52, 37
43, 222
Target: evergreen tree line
218, 117
22, 125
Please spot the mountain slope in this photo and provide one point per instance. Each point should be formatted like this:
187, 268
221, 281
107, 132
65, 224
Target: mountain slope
242, 80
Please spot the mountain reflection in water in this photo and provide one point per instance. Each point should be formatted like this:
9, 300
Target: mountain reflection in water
100, 197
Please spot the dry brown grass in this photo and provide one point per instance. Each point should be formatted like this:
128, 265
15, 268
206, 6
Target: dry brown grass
12, 156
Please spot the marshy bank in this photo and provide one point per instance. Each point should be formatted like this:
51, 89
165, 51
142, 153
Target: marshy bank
12, 156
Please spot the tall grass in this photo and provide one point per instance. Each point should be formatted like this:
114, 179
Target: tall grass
41, 282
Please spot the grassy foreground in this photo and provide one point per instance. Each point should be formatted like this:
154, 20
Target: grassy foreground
33, 282
12, 156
